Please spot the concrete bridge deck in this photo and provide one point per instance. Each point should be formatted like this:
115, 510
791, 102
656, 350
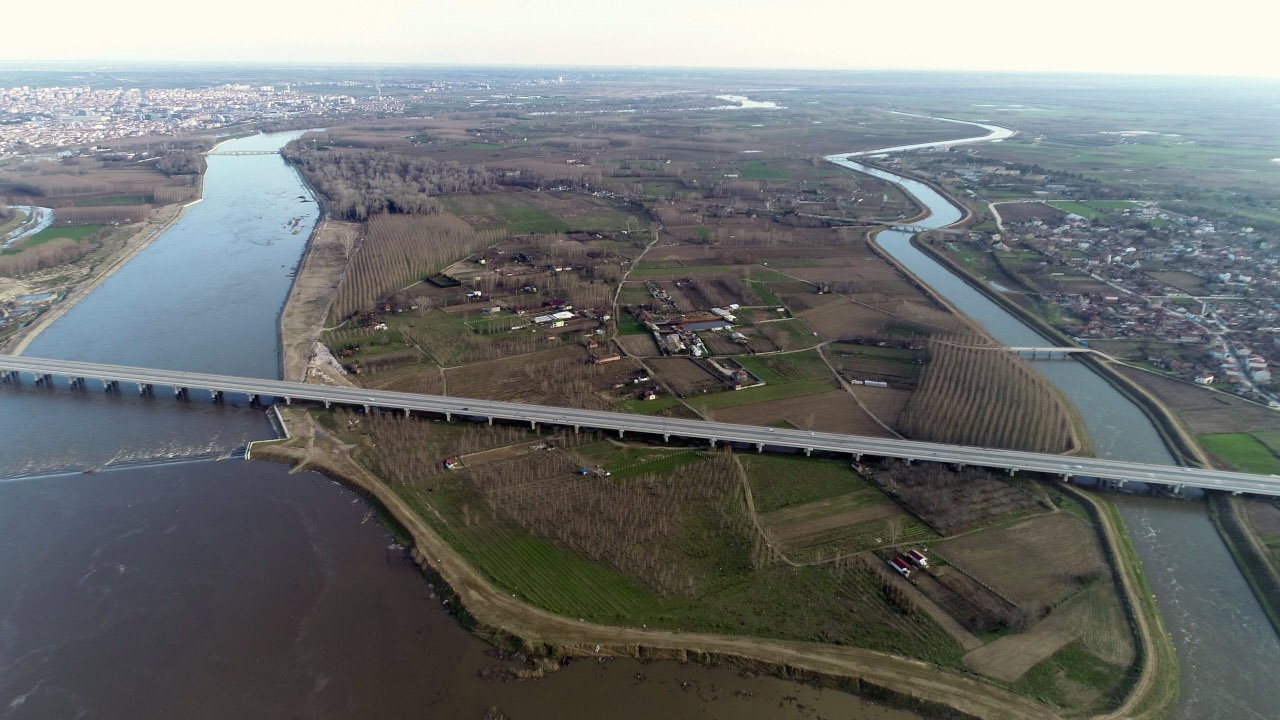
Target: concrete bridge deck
79, 373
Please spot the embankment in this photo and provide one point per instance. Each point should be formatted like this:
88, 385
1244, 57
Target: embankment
1249, 553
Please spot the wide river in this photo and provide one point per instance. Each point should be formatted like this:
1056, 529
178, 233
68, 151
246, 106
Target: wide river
1228, 651
158, 587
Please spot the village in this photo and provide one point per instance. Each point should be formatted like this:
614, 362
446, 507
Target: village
1191, 296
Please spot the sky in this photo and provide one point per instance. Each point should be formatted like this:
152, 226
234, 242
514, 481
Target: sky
1176, 37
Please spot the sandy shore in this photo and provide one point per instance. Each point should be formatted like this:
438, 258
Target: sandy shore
314, 286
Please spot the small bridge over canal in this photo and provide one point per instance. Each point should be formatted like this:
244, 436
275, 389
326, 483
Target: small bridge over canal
84, 376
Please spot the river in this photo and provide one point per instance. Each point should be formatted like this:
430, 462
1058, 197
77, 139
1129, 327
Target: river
163, 583
1227, 650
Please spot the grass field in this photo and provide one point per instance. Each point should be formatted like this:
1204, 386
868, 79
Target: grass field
1243, 451
787, 367
761, 170
629, 324
778, 481
116, 200
760, 394
505, 210
79, 233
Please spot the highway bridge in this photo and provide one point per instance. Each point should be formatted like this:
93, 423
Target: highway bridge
240, 153
14, 369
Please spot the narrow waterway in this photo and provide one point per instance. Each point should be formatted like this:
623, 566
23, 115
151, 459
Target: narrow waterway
1226, 647
136, 585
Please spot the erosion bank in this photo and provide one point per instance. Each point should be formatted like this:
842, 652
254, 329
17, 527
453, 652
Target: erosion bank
501, 618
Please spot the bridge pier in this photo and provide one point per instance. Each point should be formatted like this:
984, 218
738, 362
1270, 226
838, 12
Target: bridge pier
621, 433
145, 389
253, 400
759, 447
110, 385
491, 420
180, 392
666, 437
533, 425
406, 410
448, 416
289, 401
808, 452
77, 383
1013, 471
712, 441
327, 404
216, 396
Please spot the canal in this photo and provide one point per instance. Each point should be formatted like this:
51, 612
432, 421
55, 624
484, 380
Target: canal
1227, 650
140, 578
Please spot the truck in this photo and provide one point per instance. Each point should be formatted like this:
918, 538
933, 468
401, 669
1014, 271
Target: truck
918, 559
902, 566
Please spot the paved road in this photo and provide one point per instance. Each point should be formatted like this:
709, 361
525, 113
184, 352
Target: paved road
713, 432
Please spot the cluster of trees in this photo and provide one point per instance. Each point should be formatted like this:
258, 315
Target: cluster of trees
102, 214
973, 393
360, 184
182, 162
953, 501
409, 451
399, 250
722, 290
632, 525
54, 252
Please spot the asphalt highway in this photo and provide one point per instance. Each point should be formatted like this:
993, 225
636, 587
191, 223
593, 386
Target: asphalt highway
662, 427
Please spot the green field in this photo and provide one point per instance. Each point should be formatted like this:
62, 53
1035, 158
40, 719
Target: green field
787, 367
117, 200
79, 233
779, 481
18, 218
505, 210
761, 170
734, 398
820, 604
764, 295
629, 324
1242, 451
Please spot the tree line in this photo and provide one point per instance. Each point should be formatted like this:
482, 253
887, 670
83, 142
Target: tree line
359, 184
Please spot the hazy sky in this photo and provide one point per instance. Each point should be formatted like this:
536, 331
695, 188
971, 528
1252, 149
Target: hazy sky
1229, 37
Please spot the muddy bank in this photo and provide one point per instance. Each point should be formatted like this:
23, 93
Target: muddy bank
303, 318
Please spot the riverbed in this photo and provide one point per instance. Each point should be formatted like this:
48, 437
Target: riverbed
141, 578
1226, 647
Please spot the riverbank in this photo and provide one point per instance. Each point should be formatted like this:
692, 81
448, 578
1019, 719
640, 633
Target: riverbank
503, 619
161, 220
1249, 552
302, 319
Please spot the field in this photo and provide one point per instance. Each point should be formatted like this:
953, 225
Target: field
79, 233
1203, 411
973, 395
686, 376
1241, 451
819, 510
1093, 209
1034, 563
664, 541
543, 212
828, 411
